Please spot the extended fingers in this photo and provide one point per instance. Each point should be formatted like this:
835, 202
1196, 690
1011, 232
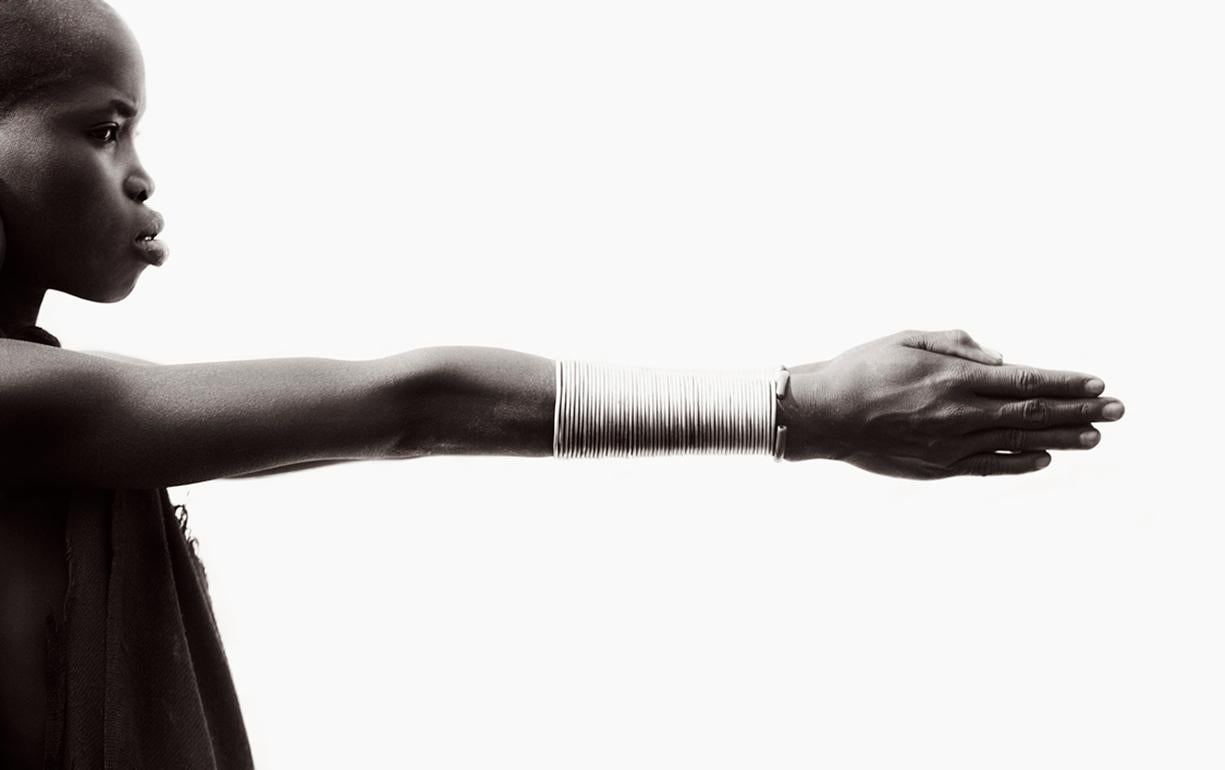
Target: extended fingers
1020, 440
991, 464
1036, 413
1028, 381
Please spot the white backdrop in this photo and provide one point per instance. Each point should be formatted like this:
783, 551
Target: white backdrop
730, 184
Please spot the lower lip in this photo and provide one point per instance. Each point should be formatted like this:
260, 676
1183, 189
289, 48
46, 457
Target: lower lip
153, 252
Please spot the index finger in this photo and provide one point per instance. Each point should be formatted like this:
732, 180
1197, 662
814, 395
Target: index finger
1023, 381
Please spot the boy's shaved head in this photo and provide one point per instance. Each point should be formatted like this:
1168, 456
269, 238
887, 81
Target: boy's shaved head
45, 44
72, 188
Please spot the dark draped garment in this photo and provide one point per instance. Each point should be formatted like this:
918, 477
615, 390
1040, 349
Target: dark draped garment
136, 673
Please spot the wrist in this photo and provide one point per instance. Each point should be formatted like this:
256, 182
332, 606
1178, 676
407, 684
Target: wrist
807, 412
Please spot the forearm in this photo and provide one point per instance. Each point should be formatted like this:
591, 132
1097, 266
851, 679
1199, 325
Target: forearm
473, 400
914, 405
493, 401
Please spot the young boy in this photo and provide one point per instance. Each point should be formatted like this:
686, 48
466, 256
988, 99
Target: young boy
109, 653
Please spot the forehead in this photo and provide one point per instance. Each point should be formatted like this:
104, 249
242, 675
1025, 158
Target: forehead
103, 62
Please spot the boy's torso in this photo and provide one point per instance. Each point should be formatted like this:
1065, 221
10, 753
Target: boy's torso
33, 580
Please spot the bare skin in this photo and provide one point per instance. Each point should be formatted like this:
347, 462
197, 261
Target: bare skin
73, 193
893, 406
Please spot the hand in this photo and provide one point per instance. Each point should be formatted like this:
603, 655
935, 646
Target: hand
928, 405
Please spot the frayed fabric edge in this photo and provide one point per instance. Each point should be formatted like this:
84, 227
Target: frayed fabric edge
193, 545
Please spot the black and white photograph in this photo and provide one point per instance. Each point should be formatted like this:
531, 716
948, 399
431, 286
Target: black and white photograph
589, 385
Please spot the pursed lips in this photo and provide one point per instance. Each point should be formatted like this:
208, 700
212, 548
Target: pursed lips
153, 250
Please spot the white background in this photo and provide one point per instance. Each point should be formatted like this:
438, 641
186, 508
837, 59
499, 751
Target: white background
703, 184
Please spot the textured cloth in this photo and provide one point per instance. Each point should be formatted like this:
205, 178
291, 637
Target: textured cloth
136, 672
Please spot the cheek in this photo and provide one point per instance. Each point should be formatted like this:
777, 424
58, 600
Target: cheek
74, 190
79, 203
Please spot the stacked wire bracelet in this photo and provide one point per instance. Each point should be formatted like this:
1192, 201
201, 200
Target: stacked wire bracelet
610, 410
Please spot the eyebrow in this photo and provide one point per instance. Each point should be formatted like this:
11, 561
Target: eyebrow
123, 108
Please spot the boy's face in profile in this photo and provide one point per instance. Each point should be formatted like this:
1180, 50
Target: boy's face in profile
72, 189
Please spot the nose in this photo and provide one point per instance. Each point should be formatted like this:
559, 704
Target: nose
139, 185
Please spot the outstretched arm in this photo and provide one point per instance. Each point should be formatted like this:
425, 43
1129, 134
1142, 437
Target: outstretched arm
915, 404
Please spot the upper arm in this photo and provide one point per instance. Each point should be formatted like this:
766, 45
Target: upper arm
69, 418
47, 395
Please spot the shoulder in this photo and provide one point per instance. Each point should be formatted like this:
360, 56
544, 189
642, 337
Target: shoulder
16, 351
118, 357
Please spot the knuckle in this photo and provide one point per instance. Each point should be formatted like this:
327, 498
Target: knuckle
953, 373
959, 335
907, 337
1027, 381
1014, 439
943, 383
1033, 412
953, 416
977, 465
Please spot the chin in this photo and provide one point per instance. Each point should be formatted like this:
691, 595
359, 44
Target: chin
122, 293
106, 295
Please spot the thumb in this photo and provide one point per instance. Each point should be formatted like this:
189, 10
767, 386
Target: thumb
954, 342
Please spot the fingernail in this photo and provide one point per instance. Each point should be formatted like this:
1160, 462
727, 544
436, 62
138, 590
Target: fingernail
1090, 437
1113, 410
1095, 386
993, 353
1043, 461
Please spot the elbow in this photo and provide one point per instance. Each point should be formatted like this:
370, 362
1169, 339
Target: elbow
477, 401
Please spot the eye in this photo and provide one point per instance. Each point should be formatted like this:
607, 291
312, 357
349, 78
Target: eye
105, 134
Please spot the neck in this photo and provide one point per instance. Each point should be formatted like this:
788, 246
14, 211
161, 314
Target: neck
19, 303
